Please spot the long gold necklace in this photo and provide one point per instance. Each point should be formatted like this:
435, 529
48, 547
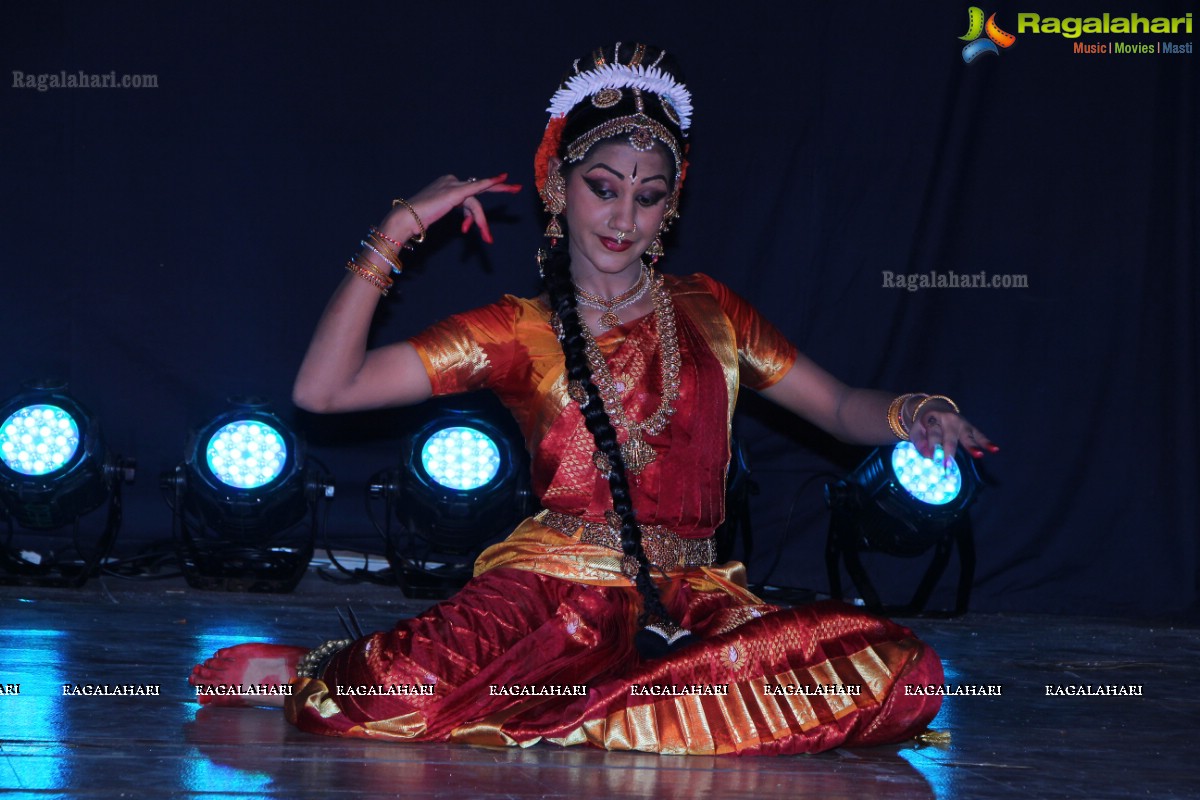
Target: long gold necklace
636, 452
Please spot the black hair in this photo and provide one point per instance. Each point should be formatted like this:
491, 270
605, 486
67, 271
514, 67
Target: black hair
559, 288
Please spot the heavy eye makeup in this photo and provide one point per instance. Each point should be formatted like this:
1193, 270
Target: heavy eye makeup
601, 188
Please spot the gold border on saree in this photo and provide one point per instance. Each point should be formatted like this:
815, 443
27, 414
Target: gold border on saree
664, 548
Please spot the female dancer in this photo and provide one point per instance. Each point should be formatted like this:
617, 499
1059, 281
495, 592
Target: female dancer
602, 619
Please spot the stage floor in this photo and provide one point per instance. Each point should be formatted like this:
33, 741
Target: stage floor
1024, 743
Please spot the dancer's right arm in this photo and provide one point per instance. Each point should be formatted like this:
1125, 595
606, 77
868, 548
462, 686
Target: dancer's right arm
338, 372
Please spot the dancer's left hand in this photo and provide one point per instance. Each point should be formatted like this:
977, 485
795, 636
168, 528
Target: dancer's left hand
939, 427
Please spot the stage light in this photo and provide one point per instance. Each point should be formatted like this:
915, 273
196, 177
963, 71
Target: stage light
461, 458
900, 503
463, 480
246, 454
38, 439
54, 471
923, 479
246, 502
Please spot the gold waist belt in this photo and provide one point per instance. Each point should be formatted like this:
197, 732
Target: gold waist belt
664, 548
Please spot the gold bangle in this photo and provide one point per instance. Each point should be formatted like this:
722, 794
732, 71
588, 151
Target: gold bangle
374, 238
893, 419
363, 262
400, 201
367, 274
895, 415
917, 410
370, 275
389, 256
398, 245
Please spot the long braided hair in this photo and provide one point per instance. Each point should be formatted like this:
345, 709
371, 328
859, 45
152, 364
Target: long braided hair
557, 282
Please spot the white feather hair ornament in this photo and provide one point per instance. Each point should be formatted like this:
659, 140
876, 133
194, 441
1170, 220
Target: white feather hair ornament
620, 76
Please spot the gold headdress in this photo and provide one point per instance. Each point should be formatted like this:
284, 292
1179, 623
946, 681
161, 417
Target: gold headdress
605, 85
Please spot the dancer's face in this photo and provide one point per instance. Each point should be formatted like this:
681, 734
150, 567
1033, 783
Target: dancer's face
616, 190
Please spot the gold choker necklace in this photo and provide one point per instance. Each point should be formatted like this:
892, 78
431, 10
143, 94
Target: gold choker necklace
609, 308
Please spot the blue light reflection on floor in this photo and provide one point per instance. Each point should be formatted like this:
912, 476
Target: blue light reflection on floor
34, 723
932, 761
202, 774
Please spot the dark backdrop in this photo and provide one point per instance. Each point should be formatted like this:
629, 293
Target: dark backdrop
165, 248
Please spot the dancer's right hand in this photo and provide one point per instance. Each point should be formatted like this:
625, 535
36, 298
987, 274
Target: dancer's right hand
439, 198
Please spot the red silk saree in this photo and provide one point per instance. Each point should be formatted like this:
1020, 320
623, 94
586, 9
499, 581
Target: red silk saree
539, 645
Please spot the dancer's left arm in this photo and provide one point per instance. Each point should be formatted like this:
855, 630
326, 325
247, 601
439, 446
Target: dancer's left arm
859, 416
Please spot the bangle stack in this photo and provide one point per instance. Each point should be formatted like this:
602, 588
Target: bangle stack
370, 273
387, 250
895, 415
379, 248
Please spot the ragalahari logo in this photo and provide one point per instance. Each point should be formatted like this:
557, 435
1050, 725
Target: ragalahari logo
976, 28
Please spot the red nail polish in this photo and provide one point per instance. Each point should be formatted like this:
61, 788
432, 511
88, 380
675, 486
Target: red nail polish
994, 448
